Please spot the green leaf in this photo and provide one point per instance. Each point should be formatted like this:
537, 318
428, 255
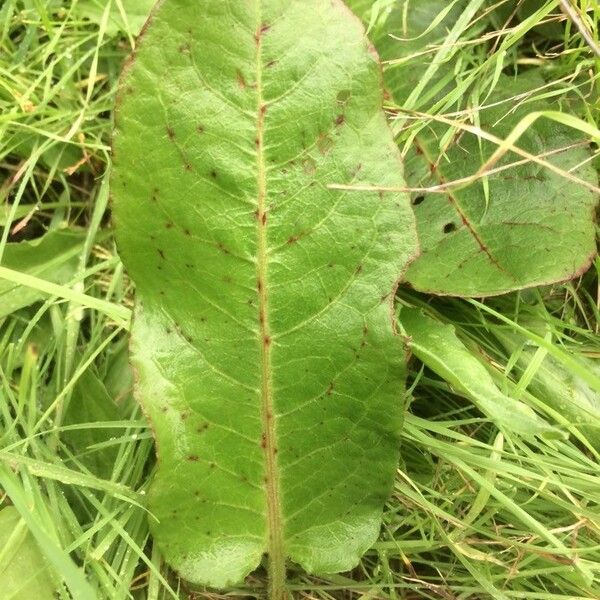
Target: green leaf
440, 349
53, 257
136, 12
536, 227
24, 572
558, 386
91, 403
524, 225
408, 35
263, 338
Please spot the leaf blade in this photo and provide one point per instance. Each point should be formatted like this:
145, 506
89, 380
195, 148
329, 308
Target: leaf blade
531, 222
52, 257
440, 349
535, 228
264, 319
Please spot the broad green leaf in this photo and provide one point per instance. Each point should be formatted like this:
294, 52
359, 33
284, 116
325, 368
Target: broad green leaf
532, 227
53, 257
520, 227
24, 572
263, 337
440, 349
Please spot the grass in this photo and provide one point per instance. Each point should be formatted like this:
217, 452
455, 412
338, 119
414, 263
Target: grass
477, 512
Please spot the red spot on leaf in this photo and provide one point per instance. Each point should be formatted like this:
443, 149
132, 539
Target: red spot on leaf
240, 79
222, 248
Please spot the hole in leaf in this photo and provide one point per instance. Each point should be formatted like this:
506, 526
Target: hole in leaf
449, 228
417, 200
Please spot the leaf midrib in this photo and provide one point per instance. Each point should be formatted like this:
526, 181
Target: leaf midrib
483, 247
268, 441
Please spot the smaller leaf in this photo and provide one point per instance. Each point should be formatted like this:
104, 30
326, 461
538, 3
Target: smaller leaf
440, 349
560, 388
136, 11
523, 226
53, 257
24, 573
91, 403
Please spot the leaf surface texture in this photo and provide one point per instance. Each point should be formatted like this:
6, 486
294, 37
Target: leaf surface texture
523, 225
263, 341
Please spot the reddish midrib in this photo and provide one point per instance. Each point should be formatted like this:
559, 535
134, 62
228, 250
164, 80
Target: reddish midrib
268, 439
463, 217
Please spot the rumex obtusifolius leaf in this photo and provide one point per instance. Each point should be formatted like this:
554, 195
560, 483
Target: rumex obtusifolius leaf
523, 225
263, 334
535, 227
